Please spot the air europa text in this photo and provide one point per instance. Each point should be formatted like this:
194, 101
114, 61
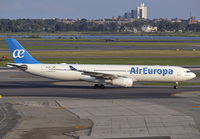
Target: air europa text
146, 70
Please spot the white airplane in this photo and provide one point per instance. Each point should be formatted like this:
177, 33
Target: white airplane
118, 75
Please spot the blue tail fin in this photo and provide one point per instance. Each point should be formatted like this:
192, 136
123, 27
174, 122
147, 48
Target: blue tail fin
19, 54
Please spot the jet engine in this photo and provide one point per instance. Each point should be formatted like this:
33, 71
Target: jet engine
124, 82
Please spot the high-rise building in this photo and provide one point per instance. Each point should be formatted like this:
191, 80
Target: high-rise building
126, 15
142, 12
134, 14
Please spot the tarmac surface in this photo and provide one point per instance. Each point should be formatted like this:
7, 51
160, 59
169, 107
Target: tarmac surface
33, 107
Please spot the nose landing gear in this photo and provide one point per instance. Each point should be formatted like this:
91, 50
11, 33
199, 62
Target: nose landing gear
176, 85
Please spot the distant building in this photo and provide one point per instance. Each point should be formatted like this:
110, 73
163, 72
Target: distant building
128, 29
176, 20
142, 12
129, 15
192, 20
126, 15
148, 28
134, 14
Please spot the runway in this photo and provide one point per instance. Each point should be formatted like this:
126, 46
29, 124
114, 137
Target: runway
141, 111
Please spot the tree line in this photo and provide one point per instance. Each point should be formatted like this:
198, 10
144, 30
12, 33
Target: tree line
38, 25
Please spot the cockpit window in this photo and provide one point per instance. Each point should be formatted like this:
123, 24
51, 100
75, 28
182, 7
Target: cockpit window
188, 71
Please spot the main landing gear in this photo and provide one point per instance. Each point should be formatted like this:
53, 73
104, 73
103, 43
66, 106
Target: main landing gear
99, 86
176, 85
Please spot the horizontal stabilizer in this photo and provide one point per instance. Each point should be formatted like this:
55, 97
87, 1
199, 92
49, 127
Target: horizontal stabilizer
19, 66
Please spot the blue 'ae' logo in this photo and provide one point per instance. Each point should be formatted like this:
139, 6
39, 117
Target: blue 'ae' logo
18, 53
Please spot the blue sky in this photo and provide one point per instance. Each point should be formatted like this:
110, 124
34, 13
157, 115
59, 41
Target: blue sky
96, 9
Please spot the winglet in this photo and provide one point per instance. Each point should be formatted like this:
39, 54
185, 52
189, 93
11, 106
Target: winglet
19, 54
72, 68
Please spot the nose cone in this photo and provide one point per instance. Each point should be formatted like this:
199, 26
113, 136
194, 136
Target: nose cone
190, 76
193, 75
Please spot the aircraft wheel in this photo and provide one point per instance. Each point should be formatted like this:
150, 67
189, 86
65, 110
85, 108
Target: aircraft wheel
175, 87
102, 86
96, 86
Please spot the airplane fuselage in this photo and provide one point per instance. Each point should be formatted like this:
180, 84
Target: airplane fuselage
138, 73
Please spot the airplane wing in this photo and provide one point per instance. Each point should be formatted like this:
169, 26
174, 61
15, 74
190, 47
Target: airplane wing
98, 75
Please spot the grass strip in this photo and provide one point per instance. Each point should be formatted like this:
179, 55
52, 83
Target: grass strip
125, 61
109, 53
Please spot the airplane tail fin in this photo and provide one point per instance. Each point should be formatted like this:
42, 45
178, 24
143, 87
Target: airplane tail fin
19, 54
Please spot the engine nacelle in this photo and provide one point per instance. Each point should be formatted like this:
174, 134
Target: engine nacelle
124, 82
88, 79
